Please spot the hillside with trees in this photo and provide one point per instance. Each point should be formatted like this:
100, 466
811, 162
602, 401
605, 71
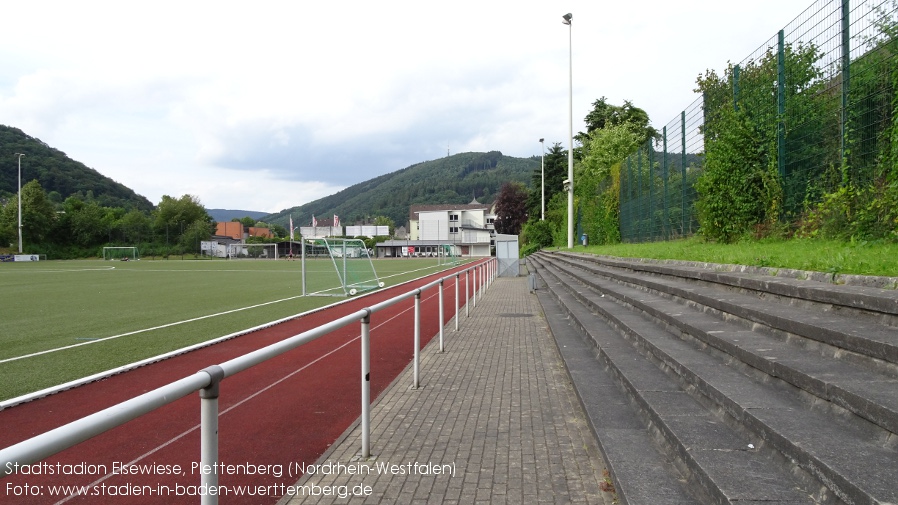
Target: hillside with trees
456, 179
71, 211
60, 176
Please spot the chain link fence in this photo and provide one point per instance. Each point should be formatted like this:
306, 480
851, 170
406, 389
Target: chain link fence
819, 98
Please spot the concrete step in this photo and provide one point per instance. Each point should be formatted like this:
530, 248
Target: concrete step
719, 463
865, 293
819, 446
640, 473
830, 317
868, 392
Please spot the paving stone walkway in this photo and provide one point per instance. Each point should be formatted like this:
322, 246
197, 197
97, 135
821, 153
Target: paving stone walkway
494, 421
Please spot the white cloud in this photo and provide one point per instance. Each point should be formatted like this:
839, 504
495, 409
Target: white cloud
269, 105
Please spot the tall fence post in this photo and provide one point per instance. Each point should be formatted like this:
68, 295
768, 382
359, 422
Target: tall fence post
781, 106
366, 383
441, 315
736, 88
209, 434
846, 86
665, 230
683, 171
628, 236
639, 194
417, 381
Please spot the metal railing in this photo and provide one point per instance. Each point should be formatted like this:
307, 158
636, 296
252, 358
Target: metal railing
207, 381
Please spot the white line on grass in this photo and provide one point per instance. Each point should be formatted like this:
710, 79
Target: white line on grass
55, 270
135, 332
124, 368
169, 325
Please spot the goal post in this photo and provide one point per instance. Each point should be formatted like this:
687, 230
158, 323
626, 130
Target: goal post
120, 253
349, 269
448, 254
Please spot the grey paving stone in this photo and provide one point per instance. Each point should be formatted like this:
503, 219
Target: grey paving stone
497, 406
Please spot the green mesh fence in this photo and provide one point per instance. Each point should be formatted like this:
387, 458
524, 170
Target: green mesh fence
818, 98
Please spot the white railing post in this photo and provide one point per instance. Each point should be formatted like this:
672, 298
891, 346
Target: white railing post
467, 290
209, 435
441, 315
417, 382
366, 384
456, 301
480, 285
474, 288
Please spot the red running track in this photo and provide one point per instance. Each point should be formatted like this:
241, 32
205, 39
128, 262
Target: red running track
272, 417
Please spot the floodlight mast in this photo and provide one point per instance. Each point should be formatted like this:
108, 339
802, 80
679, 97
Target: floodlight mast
570, 153
20, 200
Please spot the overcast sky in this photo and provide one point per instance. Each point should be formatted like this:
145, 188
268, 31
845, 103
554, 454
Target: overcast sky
271, 104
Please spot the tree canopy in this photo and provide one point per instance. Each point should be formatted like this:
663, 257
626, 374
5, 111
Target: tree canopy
511, 208
604, 115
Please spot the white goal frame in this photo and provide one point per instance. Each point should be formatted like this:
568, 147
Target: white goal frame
339, 251
108, 253
268, 251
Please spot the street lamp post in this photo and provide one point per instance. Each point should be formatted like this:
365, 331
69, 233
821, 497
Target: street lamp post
570, 153
20, 201
543, 181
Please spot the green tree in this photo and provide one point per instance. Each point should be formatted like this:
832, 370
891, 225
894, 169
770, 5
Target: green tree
173, 215
194, 233
604, 115
385, 221
597, 184
136, 227
737, 189
279, 231
87, 223
555, 173
38, 217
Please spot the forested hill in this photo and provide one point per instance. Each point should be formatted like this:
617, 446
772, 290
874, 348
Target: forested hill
456, 179
59, 175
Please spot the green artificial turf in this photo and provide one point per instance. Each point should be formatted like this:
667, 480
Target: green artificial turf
150, 307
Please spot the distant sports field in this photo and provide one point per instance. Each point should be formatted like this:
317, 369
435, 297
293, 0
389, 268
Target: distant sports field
63, 320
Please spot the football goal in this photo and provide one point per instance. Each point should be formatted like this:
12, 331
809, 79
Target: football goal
335, 267
253, 251
120, 253
448, 255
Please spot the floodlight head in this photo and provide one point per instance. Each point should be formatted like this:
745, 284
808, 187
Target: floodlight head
567, 18
541, 141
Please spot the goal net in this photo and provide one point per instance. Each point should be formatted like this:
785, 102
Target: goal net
334, 266
253, 251
448, 255
120, 253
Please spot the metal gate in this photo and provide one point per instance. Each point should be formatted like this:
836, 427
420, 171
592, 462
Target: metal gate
507, 255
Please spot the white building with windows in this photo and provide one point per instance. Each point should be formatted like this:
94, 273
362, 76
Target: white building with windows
467, 227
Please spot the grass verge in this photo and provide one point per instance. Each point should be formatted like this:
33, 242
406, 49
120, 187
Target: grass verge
861, 258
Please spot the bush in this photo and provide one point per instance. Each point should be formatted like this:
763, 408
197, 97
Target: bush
536, 235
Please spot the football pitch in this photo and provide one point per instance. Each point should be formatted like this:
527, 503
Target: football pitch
64, 320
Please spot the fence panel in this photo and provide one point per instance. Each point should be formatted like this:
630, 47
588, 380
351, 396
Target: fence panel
820, 100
